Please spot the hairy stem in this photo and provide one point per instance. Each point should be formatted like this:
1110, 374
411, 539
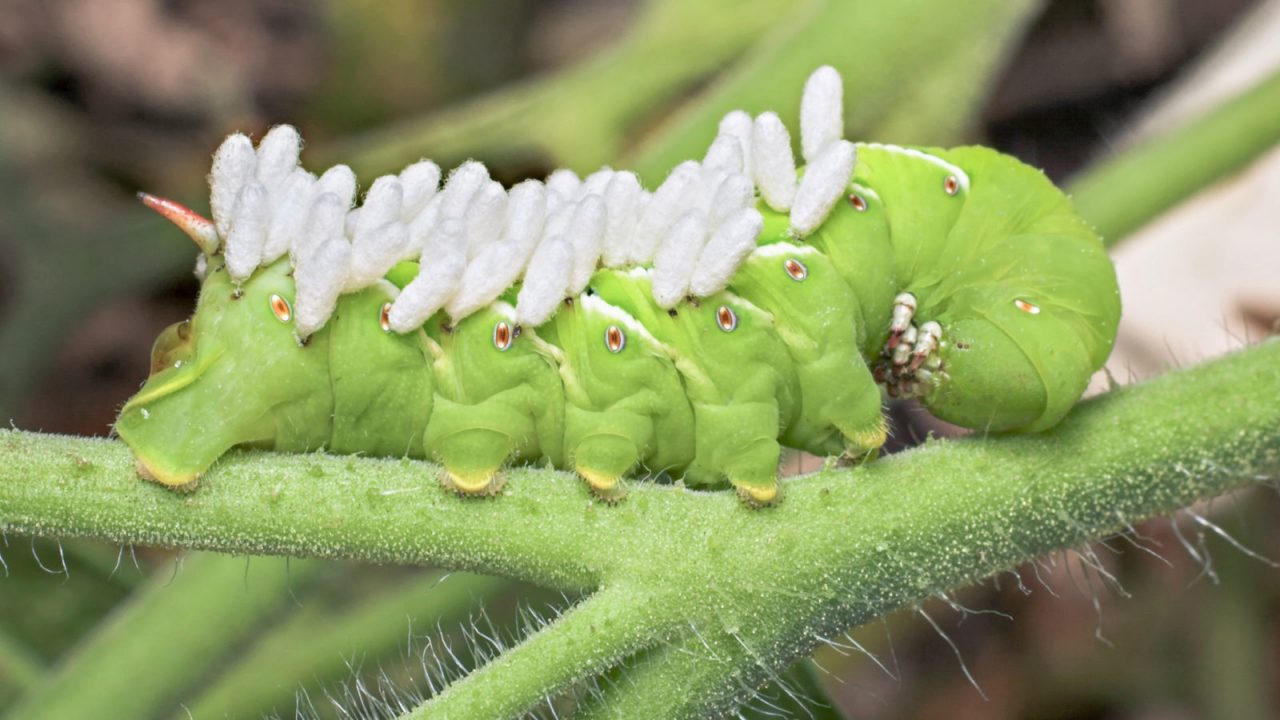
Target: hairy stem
585, 641
318, 643
175, 628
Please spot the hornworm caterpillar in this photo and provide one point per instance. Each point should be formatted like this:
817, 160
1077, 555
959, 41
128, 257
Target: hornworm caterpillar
743, 305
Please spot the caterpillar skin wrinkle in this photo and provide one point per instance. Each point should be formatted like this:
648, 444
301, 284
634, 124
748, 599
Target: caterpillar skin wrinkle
743, 306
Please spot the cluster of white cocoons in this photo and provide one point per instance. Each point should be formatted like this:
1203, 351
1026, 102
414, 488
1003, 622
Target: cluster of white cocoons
475, 239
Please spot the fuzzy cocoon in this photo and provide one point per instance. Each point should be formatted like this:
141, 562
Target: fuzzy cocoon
821, 112
825, 181
234, 164
325, 218
278, 156
565, 184
773, 164
462, 184
677, 256
319, 281
586, 237
289, 213
667, 204
340, 181
546, 282
374, 252
622, 207
438, 279
485, 217
420, 182
247, 234
526, 216
738, 125
723, 254
381, 205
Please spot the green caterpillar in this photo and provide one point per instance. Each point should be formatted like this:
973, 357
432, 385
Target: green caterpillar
743, 306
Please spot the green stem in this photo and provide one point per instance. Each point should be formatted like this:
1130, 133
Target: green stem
168, 635
587, 640
314, 644
19, 667
1122, 193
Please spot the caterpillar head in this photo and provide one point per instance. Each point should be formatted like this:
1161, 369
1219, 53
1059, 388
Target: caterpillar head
234, 374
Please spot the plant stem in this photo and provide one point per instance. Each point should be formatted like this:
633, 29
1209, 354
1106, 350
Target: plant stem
588, 639
315, 644
1122, 193
172, 630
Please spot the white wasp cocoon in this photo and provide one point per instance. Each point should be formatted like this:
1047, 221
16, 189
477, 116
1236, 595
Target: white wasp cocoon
248, 231
677, 256
772, 162
622, 206
821, 112
558, 220
485, 217
462, 184
438, 279
234, 164
735, 193
725, 154
423, 225
420, 181
546, 281
565, 184
374, 252
666, 205
731, 243
703, 193
339, 181
586, 237
319, 281
278, 156
381, 205
325, 218
289, 214
494, 270
475, 240
526, 216
596, 182
739, 126
825, 180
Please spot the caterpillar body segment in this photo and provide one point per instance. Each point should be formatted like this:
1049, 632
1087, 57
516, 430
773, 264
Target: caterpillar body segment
814, 313
737, 374
499, 399
991, 251
694, 331
239, 377
625, 405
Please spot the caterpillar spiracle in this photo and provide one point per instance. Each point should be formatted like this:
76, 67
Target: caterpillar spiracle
744, 305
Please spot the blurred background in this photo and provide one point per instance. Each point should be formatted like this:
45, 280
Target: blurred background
102, 98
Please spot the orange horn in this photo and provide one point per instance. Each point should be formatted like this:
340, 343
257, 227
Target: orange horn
196, 226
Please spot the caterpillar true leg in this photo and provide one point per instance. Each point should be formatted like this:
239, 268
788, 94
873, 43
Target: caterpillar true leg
904, 309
